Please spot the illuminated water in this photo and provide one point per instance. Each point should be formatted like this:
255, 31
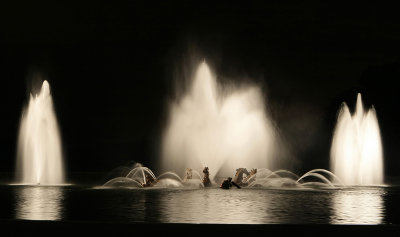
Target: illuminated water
39, 158
356, 152
272, 197
223, 131
353, 205
218, 127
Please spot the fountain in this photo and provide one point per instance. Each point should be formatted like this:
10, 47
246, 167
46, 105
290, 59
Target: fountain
39, 154
211, 126
140, 177
221, 129
356, 151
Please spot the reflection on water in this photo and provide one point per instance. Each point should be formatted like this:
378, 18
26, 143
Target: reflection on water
38, 202
252, 206
244, 206
358, 206
212, 206
120, 205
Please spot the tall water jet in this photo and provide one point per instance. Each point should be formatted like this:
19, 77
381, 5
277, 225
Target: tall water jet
223, 131
39, 154
356, 151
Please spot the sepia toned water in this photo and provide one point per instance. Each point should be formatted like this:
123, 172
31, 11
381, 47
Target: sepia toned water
350, 205
39, 153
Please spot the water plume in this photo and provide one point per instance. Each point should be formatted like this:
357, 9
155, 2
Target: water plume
39, 154
356, 151
223, 131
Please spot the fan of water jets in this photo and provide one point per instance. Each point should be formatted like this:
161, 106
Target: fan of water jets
39, 157
264, 178
281, 178
220, 130
138, 177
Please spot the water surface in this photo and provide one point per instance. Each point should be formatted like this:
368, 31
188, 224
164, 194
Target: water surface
351, 205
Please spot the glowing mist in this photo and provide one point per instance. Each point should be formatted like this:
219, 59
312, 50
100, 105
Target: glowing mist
356, 152
223, 132
39, 155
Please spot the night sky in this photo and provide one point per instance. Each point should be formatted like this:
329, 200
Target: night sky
112, 68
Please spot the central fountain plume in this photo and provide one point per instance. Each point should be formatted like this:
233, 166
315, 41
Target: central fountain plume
39, 155
356, 152
220, 129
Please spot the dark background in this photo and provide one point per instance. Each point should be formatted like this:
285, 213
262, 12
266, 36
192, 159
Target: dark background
112, 69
